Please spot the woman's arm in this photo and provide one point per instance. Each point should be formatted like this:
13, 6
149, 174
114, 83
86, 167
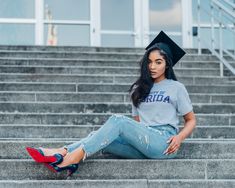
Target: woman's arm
189, 125
175, 141
137, 118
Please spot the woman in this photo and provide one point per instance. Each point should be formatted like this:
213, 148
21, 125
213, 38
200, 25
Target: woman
157, 101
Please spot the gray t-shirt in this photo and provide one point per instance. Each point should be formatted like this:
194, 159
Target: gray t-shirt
167, 100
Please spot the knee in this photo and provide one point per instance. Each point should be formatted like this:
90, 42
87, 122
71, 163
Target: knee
117, 117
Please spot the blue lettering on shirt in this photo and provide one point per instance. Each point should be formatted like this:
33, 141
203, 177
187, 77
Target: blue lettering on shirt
157, 96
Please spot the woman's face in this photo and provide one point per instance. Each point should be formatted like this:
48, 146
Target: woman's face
156, 65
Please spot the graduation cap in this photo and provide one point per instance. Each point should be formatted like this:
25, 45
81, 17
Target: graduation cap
165, 43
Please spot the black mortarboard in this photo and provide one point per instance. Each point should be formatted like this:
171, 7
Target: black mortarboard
162, 41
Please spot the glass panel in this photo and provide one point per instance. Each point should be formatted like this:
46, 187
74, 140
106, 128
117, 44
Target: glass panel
78, 35
165, 15
68, 9
17, 9
15, 34
177, 39
117, 14
228, 38
205, 37
117, 40
205, 6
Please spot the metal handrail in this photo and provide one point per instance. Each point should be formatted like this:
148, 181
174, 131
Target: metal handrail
224, 10
230, 3
216, 2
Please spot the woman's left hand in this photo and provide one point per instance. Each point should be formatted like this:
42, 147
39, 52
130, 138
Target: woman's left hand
175, 142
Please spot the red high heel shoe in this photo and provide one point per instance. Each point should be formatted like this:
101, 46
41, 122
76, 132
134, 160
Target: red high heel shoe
38, 156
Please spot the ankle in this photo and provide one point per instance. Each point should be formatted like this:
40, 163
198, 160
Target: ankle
70, 159
63, 151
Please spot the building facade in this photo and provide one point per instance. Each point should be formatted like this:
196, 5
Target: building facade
113, 23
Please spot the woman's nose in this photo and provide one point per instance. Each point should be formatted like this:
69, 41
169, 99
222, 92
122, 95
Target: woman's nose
151, 65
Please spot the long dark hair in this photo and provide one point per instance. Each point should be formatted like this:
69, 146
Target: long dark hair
140, 89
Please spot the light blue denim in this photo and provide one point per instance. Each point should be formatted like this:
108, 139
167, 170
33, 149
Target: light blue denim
127, 138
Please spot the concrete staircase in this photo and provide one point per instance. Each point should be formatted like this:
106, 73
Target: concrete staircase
50, 96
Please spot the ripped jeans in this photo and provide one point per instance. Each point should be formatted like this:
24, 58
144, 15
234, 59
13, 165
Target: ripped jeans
127, 138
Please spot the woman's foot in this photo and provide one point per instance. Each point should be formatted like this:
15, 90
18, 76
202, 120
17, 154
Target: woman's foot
72, 158
53, 151
69, 163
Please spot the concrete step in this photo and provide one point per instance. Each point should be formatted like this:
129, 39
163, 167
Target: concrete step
98, 70
94, 78
98, 63
95, 55
101, 87
102, 97
120, 183
82, 87
95, 107
84, 48
215, 169
71, 140
98, 118
17, 131
189, 149
77, 49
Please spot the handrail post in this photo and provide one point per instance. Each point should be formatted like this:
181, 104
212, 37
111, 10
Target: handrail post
220, 43
212, 28
234, 31
199, 27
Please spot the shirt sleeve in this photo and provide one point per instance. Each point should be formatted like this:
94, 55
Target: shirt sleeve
184, 104
134, 110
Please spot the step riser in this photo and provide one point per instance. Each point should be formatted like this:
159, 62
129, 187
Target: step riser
99, 97
102, 79
100, 88
124, 88
79, 49
98, 108
62, 70
17, 131
80, 184
16, 150
111, 56
97, 63
120, 184
106, 169
85, 49
89, 119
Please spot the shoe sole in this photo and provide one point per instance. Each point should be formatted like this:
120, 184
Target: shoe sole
50, 167
38, 157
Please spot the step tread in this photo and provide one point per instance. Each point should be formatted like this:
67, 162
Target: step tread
88, 52
68, 140
100, 93
108, 84
96, 67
